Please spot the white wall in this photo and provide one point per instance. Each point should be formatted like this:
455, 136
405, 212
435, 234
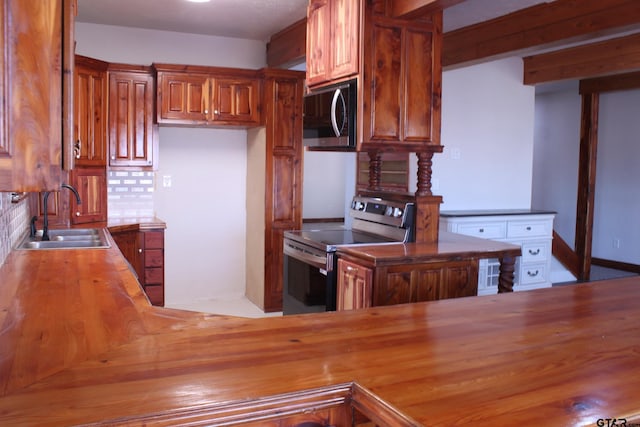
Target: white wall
555, 158
328, 179
617, 194
487, 118
205, 207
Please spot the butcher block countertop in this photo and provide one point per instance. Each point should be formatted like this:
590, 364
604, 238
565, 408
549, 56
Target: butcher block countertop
79, 343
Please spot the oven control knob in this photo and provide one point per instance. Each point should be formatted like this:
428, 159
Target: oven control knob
397, 212
357, 205
389, 211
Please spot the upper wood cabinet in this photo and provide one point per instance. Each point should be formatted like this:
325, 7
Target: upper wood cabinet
396, 63
210, 96
401, 82
132, 139
332, 40
90, 112
32, 36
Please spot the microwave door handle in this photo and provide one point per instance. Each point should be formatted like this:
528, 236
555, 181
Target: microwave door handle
334, 104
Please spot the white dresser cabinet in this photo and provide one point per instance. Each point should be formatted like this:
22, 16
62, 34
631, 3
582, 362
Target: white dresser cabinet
532, 230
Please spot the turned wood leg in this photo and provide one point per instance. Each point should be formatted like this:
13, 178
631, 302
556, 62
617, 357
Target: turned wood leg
505, 279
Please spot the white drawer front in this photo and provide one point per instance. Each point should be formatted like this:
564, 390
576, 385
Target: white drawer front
483, 229
520, 229
532, 273
535, 251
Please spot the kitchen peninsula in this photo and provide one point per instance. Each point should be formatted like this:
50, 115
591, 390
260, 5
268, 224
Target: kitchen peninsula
80, 344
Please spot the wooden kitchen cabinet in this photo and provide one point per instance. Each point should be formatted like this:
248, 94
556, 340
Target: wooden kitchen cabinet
360, 286
35, 37
208, 96
144, 250
132, 139
91, 184
355, 286
396, 63
90, 112
332, 40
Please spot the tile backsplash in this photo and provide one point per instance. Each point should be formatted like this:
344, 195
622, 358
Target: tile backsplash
130, 194
14, 221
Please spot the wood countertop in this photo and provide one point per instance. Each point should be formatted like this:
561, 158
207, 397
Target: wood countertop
79, 343
449, 246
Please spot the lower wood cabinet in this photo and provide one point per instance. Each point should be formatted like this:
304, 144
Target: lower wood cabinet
144, 249
361, 286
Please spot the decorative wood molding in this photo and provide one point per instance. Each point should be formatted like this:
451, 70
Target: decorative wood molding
597, 59
543, 25
613, 83
288, 47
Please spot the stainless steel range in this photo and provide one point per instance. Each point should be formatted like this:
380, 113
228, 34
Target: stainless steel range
309, 255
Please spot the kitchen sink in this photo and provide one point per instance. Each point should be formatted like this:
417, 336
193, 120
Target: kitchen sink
68, 238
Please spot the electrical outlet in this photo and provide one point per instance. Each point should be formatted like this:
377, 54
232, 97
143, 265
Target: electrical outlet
616, 243
166, 181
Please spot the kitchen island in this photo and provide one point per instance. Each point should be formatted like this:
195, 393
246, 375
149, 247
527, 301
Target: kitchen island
80, 343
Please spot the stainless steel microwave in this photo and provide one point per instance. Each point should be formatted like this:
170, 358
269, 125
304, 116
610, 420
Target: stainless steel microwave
329, 120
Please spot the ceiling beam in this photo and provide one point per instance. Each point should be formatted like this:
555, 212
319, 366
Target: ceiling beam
543, 25
617, 82
611, 56
412, 8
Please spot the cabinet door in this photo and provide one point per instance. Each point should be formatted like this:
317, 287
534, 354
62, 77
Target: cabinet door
90, 113
345, 30
31, 91
402, 68
183, 98
130, 244
91, 183
354, 286
131, 96
235, 101
318, 39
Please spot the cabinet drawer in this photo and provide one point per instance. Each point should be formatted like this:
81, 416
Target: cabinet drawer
153, 258
484, 230
535, 251
529, 229
153, 276
154, 239
532, 273
155, 293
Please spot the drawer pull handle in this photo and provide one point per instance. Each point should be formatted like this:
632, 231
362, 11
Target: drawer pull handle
528, 228
534, 274
481, 230
536, 252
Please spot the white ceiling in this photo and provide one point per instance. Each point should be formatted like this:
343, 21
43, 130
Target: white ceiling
250, 19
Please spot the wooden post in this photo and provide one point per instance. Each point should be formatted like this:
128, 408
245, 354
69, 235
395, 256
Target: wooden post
427, 205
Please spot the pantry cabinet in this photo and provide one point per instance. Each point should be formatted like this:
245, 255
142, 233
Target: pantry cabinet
209, 96
34, 37
132, 139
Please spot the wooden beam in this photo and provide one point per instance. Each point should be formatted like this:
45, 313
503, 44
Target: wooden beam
408, 9
543, 25
288, 47
597, 59
616, 82
586, 183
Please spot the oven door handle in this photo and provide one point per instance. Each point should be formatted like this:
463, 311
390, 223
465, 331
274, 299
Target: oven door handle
299, 253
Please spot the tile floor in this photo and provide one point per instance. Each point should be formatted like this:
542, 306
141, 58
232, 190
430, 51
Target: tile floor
240, 306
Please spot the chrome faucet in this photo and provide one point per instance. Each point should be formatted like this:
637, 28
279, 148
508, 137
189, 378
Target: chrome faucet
45, 225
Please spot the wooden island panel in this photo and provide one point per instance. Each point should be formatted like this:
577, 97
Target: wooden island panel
80, 343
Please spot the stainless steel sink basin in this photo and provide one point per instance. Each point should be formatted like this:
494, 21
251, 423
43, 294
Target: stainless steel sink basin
68, 238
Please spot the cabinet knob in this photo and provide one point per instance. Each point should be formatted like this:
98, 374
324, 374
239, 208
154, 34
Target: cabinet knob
215, 111
140, 250
77, 213
206, 111
113, 157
